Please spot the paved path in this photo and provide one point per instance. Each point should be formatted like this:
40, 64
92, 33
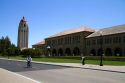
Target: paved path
120, 69
66, 73
10, 77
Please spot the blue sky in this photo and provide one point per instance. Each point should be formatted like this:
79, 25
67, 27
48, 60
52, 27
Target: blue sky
47, 17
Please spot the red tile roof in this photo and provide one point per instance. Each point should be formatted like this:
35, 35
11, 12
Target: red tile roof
109, 31
75, 30
40, 43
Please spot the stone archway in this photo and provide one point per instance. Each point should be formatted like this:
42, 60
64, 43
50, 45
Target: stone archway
68, 51
48, 52
54, 53
100, 52
60, 52
118, 52
93, 52
76, 51
108, 52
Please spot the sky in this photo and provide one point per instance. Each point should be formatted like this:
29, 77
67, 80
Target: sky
48, 17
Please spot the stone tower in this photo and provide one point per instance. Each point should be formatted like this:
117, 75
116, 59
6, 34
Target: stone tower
23, 32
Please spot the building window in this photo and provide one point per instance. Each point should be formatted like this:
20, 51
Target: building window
108, 40
93, 42
76, 39
117, 40
48, 43
73, 40
70, 40
60, 41
24, 25
88, 42
98, 41
124, 39
66, 40
53, 43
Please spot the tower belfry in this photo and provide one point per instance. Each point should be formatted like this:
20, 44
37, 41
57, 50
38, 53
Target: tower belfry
23, 32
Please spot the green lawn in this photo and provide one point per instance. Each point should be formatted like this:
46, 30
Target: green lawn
115, 63
60, 60
13, 57
57, 60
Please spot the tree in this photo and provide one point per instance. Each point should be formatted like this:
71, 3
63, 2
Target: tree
2, 44
7, 42
6, 48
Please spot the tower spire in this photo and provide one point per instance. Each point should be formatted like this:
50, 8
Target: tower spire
23, 18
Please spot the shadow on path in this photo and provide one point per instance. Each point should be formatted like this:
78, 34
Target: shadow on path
20, 66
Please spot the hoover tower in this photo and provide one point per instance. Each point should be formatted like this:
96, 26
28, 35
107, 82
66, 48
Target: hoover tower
23, 32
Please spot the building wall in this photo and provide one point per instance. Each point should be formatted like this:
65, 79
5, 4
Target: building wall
71, 44
111, 45
41, 46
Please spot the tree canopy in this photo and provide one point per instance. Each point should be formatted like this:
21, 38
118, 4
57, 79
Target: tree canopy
6, 47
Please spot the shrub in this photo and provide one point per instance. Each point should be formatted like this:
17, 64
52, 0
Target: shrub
106, 58
32, 52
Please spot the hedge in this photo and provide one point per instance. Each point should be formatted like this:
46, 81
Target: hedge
106, 58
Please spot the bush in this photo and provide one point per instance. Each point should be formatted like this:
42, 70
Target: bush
32, 52
65, 57
13, 51
106, 58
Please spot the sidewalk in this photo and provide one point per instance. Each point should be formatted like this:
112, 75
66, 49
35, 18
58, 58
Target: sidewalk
10, 77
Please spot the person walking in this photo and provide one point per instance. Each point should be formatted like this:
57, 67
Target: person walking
29, 59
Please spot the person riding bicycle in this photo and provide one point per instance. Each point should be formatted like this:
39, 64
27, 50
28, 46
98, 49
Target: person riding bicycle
29, 59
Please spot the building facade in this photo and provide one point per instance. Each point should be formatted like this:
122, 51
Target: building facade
85, 41
108, 41
23, 32
68, 43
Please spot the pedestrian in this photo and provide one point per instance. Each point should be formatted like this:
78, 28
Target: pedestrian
29, 59
83, 60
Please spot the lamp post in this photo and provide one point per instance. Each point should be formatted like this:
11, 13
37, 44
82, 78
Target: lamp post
48, 47
34, 48
8, 52
101, 43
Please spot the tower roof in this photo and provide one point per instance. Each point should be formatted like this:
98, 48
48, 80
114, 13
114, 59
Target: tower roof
23, 19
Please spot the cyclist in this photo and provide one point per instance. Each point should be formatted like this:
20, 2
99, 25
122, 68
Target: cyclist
29, 59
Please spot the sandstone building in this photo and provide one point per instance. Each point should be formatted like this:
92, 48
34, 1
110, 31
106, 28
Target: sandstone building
69, 42
85, 41
108, 41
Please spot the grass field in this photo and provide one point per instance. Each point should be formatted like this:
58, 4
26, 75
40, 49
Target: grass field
60, 60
